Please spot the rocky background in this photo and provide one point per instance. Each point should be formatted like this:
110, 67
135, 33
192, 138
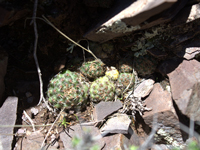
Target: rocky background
157, 39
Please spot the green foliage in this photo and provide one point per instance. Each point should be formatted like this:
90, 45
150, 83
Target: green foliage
192, 145
64, 123
75, 141
133, 147
102, 89
93, 69
95, 147
67, 89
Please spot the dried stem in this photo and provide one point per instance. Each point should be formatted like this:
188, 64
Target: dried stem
68, 37
31, 121
51, 127
35, 55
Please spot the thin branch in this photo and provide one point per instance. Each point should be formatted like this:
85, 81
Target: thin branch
129, 82
31, 121
35, 55
68, 37
51, 127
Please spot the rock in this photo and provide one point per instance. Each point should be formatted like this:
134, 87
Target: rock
118, 123
113, 141
191, 52
187, 14
193, 105
184, 81
3, 68
125, 18
167, 119
33, 141
82, 133
119, 141
21, 132
104, 109
194, 13
166, 16
144, 88
8, 117
189, 49
34, 111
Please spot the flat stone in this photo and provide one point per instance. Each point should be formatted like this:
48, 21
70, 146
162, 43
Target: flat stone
118, 123
8, 117
191, 52
187, 14
166, 16
144, 88
33, 141
189, 49
125, 17
108, 142
78, 131
104, 109
162, 106
194, 13
193, 105
184, 81
119, 141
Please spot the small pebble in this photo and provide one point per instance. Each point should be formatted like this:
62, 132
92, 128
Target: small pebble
21, 132
34, 111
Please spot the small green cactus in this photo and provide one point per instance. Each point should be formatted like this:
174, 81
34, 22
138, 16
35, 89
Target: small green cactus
126, 65
145, 65
93, 69
102, 89
125, 79
67, 89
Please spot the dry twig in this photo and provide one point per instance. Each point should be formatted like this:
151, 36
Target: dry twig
48, 22
52, 127
35, 55
31, 121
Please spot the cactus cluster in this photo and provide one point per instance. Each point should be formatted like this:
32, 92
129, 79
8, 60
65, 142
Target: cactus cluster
70, 89
126, 65
126, 79
102, 89
145, 65
93, 69
67, 89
